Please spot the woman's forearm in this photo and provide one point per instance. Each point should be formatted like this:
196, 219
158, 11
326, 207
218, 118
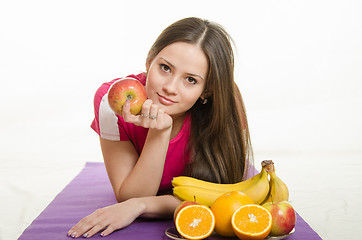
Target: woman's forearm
145, 177
158, 206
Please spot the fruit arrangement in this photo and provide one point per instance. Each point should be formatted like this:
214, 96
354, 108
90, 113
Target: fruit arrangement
252, 209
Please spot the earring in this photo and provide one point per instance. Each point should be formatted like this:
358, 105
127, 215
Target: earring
204, 101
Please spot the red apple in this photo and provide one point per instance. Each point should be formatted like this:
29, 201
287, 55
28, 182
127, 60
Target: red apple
127, 89
182, 205
284, 218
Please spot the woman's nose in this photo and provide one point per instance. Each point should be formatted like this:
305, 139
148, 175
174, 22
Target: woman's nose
170, 86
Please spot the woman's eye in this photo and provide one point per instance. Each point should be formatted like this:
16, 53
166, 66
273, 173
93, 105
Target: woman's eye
165, 68
191, 80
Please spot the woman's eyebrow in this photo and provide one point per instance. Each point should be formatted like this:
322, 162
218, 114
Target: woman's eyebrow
191, 74
168, 62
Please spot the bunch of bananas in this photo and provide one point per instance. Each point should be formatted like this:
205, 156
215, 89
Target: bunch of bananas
259, 188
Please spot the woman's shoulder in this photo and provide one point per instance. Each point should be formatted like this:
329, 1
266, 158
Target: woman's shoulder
103, 89
140, 77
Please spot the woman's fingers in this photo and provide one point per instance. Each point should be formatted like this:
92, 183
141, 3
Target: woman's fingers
146, 107
79, 229
152, 119
98, 227
136, 119
153, 112
151, 116
108, 230
108, 219
126, 113
89, 225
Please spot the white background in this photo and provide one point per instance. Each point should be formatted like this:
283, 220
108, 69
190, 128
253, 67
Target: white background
298, 65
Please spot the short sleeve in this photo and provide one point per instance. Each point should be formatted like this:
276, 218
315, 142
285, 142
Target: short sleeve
105, 121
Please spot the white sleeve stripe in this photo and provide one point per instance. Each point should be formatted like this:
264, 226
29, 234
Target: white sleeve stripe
108, 121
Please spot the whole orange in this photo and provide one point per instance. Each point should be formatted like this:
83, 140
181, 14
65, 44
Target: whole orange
224, 207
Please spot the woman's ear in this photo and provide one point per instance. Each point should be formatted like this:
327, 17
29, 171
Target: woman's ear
205, 94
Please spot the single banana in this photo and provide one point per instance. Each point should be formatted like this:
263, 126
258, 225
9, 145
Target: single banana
190, 181
278, 189
196, 194
258, 191
240, 186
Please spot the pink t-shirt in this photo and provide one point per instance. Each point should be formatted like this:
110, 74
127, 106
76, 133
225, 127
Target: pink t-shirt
112, 127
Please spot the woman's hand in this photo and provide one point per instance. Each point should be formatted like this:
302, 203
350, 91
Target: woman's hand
108, 219
151, 116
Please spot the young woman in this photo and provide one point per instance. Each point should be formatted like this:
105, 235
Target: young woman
193, 123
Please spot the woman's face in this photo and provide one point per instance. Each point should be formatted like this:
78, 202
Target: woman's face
176, 77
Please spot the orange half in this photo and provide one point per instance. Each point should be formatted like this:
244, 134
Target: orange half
195, 222
251, 222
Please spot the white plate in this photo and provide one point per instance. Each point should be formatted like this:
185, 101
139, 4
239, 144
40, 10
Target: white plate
172, 233
281, 237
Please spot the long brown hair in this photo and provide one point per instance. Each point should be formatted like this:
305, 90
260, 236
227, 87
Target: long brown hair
219, 145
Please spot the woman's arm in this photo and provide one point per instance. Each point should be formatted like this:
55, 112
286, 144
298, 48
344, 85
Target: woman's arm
132, 175
122, 214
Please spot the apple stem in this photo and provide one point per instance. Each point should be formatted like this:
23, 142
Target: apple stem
194, 198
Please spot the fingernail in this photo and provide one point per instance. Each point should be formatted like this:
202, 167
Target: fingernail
102, 234
73, 235
85, 235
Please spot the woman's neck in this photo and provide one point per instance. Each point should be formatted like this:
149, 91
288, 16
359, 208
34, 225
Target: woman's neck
177, 125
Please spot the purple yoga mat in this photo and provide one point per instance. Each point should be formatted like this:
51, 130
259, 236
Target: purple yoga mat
91, 190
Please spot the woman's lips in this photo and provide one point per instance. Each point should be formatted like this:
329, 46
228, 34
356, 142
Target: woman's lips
165, 100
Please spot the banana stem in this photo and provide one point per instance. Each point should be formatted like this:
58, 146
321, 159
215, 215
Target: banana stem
268, 165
